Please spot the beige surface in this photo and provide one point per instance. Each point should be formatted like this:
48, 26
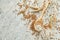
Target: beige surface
13, 27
